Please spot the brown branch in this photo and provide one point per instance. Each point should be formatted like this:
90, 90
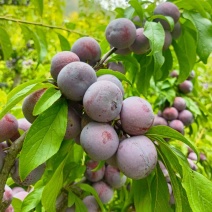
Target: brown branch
9, 161
104, 58
43, 25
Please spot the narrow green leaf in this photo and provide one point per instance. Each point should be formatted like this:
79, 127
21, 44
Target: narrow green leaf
16, 203
39, 6
44, 137
198, 189
52, 188
100, 165
160, 192
168, 132
50, 96
32, 200
204, 33
5, 43
192, 106
79, 205
20, 92
142, 195
138, 8
145, 74
90, 189
158, 62
117, 74
71, 198
156, 35
169, 19
185, 50
64, 43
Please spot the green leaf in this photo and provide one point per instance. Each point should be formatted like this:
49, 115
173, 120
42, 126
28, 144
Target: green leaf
32, 200
168, 19
160, 192
117, 74
71, 198
39, 5
20, 92
79, 205
52, 188
16, 203
204, 33
145, 74
39, 41
100, 165
44, 137
156, 35
142, 195
198, 189
168, 132
5, 43
185, 50
158, 62
90, 189
64, 43
192, 106
50, 96
138, 8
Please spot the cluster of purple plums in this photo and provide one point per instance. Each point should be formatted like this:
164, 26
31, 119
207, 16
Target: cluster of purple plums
107, 126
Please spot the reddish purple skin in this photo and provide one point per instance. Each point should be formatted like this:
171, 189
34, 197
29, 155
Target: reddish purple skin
167, 41
177, 125
123, 51
74, 79
29, 104
8, 127
73, 128
162, 166
176, 32
113, 177
112, 78
202, 157
141, 44
8, 194
170, 113
186, 117
91, 204
121, 33
117, 66
23, 124
32, 178
99, 140
159, 121
112, 161
167, 9
21, 195
192, 164
16, 190
104, 191
94, 176
191, 75
2, 156
192, 156
136, 115
169, 188
186, 86
136, 157
174, 74
179, 103
10, 209
103, 101
87, 49
60, 60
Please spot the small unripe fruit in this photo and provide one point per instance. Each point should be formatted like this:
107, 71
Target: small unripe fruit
186, 86
179, 103
167, 41
159, 121
186, 117
192, 156
116, 66
8, 194
177, 125
29, 104
192, 164
91, 204
176, 32
8, 127
174, 74
94, 176
21, 195
104, 191
170, 113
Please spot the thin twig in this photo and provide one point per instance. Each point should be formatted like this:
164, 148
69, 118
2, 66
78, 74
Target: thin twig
9, 161
42, 25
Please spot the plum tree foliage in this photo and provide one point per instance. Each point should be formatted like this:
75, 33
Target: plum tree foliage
104, 114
